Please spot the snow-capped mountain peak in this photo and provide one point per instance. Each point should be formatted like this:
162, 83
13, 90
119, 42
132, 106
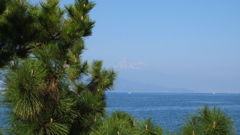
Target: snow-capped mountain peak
125, 63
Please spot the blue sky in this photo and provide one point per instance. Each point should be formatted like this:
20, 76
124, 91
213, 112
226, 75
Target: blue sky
196, 42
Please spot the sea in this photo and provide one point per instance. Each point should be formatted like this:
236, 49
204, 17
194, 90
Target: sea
169, 109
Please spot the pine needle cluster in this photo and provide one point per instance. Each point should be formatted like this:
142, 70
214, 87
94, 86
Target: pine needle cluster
207, 121
50, 90
121, 123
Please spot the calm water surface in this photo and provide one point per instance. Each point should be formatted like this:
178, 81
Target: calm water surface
168, 110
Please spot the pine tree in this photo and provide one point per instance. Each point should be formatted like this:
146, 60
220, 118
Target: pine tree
147, 127
50, 90
118, 123
208, 121
121, 123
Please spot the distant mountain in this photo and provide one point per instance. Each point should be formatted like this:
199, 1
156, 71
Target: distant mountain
137, 77
126, 63
124, 85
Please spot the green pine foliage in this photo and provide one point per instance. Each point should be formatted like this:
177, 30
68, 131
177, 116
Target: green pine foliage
207, 121
121, 123
147, 127
46, 92
118, 123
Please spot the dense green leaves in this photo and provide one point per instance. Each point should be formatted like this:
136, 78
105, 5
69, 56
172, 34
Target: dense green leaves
17, 29
208, 121
40, 50
121, 123
147, 127
118, 123
25, 83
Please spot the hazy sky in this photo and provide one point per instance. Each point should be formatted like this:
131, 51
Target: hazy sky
197, 42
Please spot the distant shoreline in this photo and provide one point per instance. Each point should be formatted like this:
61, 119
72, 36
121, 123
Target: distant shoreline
131, 92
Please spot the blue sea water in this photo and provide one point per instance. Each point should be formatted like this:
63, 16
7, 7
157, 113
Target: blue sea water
168, 109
